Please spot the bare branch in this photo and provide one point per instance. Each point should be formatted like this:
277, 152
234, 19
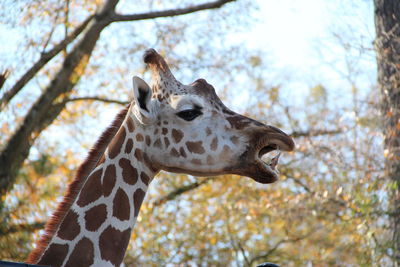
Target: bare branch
3, 77
267, 254
315, 133
170, 12
97, 98
181, 190
23, 227
45, 57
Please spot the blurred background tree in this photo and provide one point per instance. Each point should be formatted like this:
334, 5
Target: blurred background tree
71, 72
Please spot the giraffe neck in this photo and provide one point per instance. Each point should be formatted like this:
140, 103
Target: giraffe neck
96, 229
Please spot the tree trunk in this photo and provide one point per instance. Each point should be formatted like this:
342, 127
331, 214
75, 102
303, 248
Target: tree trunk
46, 109
387, 24
52, 101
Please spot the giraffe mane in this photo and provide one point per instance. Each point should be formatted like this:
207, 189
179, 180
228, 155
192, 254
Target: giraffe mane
75, 186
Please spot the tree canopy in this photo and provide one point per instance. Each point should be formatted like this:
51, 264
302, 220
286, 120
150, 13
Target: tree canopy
71, 72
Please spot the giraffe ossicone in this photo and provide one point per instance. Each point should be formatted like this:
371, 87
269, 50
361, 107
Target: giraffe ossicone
169, 126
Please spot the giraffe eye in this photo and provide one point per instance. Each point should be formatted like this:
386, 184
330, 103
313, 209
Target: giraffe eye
189, 114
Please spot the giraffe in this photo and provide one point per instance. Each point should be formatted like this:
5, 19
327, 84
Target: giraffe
172, 127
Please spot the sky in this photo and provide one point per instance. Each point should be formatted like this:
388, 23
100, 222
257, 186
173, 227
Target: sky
298, 39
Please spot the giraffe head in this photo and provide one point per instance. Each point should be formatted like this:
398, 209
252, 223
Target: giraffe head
193, 132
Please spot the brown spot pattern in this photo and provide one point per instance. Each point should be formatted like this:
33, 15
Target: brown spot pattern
139, 137
95, 217
116, 143
177, 135
214, 144
208, 131
138, 154
148, 163
82, 255
54, 255
69, 228
182, 152
121, 208
92, 189
157, 143
166, 141
101, 160
196, 161
109, 180
235, 139
226, 150
210, 160
164, 131
195, 147
128, 146
148, 140
174, 152
113, 244
145, 178
131, 124
138, 197
238, 122
129, 173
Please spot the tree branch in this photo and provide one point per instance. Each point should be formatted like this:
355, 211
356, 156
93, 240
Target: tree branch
45, 57
3, 77
170, 12
181, 190
23, 227
267, 254
97, 98
315, 133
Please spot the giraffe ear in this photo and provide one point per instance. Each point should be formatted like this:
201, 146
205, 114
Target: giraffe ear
142, 98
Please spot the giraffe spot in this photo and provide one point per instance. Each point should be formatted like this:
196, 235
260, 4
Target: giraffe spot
138, 154
128, 146
82, 255
182, 152
238, 122
129, 173
226, 150
166, 141
113, 244
148, 140
109, 180
174, 153
196, 161
92, 189
131, 124
165, 122
157, 143
235, 139
121, 208
101, 160
116, 143
156, 131
54, 255
214, 144
177, 135
95, 217
210, 160
195, 147
145, 178
164, 131
138, 197
139, 137
148, 163
208, 131
69, 227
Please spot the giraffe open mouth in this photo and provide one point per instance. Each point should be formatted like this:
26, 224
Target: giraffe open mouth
269, 155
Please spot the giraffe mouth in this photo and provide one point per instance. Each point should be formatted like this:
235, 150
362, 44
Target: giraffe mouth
269, 155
